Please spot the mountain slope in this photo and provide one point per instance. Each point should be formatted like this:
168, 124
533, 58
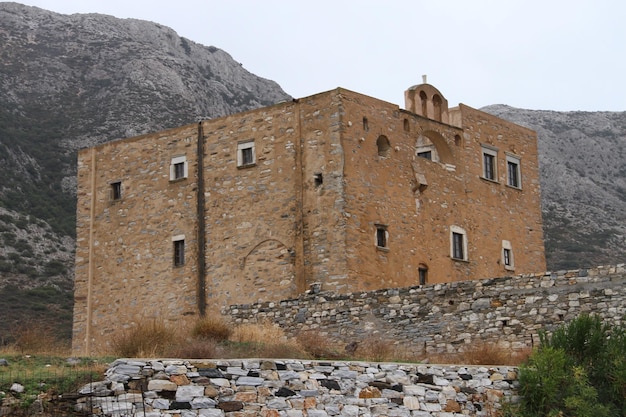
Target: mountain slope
67, 82
582, 158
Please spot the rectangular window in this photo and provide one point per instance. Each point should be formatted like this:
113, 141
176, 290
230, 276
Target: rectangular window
246, 155
179, 168
513, 171
426, 155
381, 236
457, 246
458, 243
490, 163
116, 190
423, 275
507, 255
179, 251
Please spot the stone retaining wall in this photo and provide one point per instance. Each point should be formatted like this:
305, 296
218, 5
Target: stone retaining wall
295, 388
454, 316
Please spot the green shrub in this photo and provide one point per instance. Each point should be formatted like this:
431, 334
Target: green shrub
580, 370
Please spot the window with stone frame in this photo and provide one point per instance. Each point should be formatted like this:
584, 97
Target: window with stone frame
179, 168
179, 250
458, 244
490, 163
246, 154
513, 174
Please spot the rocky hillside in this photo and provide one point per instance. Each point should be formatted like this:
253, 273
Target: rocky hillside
67, 82
71, 81
582, 159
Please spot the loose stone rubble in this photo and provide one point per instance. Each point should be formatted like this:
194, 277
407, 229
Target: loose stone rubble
296, 388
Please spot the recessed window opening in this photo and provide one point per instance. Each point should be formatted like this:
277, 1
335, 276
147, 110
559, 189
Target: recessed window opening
423, 274
383, 145
507, 255
319, 179
381, 236
437, 105
246, 155
424, 102
513, 171
490, 160
407, 127
366, 125
179, 250
116, 190
426, 155
457, 140
179, 168
458, 243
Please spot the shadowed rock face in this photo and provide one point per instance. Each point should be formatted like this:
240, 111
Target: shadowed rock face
582, 158
72, 81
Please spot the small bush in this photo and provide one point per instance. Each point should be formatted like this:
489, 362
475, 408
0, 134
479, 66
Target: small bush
316, 345
211, 328
146, 339
34, 338
578, 371
264, 332
197, 349
376, 349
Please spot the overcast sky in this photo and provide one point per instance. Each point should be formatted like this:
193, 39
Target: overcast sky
533, 54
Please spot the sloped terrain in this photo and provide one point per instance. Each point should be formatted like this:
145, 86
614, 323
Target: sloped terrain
68, 82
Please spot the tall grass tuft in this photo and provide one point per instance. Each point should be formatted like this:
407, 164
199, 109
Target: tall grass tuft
213, 328
146, 339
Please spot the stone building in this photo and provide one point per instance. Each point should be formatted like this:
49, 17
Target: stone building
338, 190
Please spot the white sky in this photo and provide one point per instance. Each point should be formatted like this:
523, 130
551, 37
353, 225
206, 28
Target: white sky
533, 54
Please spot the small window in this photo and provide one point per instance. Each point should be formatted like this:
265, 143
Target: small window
458, 244
246, 154
179, 251
319, 179
426, 155
490, 160
407, 126
383, 145
507, 255
423, 274
116, 190
381, 236
513, 171
366, 125
178, 168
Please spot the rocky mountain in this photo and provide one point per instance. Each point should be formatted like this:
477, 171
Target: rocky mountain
582, 158
71, 81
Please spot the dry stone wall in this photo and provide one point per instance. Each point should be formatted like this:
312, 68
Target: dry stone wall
295, 388
451, 317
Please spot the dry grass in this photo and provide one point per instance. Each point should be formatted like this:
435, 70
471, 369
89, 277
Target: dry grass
35, 338
197, 349
482, 354
213, 328
317, 346
146, 339
258, 333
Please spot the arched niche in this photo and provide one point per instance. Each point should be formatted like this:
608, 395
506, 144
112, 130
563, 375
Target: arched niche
434, 142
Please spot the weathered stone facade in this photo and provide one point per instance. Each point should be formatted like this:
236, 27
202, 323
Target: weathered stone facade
338, 188
294, 388
451, 317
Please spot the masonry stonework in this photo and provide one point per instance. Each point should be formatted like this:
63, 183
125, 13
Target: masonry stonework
338, 190
452, 317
